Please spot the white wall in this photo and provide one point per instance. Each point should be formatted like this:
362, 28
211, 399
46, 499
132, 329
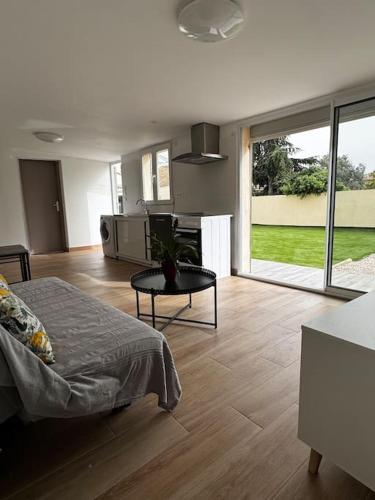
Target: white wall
86, 191
352, 209
87, 195
12, 221
210, 188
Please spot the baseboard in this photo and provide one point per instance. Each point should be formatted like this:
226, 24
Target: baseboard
88, 247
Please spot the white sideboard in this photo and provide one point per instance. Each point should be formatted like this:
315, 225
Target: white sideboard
337, 392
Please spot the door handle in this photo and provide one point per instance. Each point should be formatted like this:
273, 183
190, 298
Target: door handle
57, 205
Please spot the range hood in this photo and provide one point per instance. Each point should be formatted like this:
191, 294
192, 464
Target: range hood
204, 144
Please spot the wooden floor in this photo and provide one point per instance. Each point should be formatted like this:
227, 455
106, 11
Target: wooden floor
232, 436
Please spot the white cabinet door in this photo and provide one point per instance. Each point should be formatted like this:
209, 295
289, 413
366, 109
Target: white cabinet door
122, 227
216, 244
137, 247
131, 238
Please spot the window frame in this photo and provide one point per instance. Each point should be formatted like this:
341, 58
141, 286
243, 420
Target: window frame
153, 150
114, 186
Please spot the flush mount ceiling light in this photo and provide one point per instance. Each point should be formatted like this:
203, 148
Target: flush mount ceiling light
49, 137
211, 20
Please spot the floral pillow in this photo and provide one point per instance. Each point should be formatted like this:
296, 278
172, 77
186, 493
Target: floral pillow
22, 323
4, 288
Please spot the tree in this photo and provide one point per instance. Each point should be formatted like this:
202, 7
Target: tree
350, 175
313, 180
273, 164
370, 181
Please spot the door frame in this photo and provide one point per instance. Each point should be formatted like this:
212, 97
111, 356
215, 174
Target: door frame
64, 232
331, 200
336, 101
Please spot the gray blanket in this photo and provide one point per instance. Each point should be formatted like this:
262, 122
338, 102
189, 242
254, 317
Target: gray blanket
105, 358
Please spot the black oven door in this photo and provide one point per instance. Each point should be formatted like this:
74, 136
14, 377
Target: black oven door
160, 226
189, 236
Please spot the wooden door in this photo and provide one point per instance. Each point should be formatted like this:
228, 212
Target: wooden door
43, 205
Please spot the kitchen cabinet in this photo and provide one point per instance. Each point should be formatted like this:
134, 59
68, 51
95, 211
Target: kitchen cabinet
131, 241
208, 234
216, 244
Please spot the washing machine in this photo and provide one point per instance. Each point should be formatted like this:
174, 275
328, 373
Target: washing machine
108, 234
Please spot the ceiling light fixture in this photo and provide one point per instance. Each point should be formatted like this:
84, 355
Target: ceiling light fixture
211, 20
49, 137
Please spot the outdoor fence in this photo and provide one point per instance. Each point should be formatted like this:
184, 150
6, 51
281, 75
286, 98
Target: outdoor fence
353, 209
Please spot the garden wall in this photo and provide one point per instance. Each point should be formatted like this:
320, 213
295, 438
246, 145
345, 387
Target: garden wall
353, 209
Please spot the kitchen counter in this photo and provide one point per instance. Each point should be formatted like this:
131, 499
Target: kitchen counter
176, 214
131, 216
210, 232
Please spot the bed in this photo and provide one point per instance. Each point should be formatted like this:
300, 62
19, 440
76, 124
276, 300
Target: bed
105, 358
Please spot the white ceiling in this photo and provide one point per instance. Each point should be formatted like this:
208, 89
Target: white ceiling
102, 72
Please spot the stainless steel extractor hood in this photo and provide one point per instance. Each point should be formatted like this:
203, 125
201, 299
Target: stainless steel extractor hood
205, 139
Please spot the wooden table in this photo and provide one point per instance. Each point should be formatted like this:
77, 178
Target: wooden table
17, 253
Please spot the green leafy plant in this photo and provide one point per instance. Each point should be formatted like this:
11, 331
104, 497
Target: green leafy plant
274, 161
350, 175
313, 180
370, 181
170, 250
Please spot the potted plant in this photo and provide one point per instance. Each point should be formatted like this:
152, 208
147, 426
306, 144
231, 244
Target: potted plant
168, 252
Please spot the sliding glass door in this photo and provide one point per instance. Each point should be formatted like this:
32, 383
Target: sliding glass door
288, 224
307, 206
351, 255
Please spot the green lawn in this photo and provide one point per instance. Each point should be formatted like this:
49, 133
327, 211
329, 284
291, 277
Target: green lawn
305, 245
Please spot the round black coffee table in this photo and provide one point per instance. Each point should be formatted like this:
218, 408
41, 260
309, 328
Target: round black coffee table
188, 280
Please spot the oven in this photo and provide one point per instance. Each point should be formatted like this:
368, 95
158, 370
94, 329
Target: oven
160, 226
188, 232
193, 237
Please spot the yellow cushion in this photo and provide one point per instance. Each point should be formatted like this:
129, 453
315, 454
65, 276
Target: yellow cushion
4, 288
2, 278
18, 319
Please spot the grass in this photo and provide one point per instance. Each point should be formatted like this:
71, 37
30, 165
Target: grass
305, 246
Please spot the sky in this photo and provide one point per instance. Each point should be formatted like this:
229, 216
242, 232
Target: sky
356, 140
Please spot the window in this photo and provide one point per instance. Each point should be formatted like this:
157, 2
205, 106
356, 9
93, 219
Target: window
117, 189
147, 177
156, 174
162, 175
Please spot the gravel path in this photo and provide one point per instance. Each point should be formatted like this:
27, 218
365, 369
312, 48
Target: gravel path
363, 266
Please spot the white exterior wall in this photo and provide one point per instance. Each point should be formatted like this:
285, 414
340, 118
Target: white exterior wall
352, 209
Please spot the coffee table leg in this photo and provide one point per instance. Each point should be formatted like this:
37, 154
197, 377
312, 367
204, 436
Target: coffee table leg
137, 297
215, 299
190, 302
153, 309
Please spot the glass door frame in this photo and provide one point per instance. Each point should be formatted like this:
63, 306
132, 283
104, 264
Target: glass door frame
331, 201
331, 198
245, 198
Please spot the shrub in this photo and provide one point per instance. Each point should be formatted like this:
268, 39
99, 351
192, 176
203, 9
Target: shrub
313, 180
